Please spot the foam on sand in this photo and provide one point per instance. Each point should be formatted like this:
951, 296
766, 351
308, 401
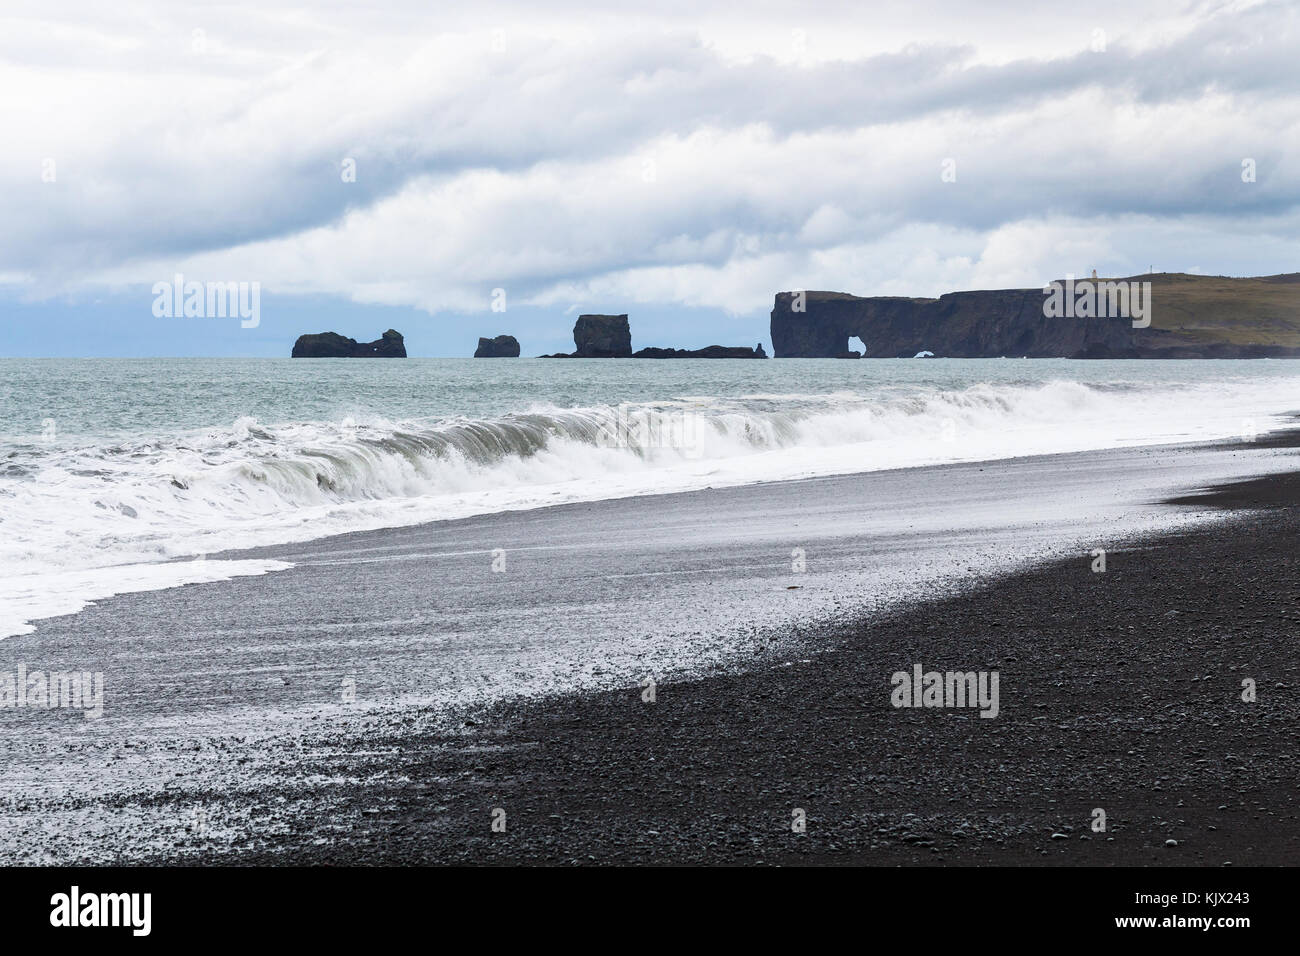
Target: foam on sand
31, 597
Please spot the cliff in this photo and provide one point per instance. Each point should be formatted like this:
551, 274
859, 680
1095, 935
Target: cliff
503, 346
1190, 317
333, 345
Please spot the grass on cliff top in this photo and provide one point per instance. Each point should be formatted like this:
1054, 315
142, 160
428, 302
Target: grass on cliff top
1263, 310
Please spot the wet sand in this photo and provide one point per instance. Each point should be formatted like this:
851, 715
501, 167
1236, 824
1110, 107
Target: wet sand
226, 739
1120, 691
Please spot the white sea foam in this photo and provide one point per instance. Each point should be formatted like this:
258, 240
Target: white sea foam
30, 597
83, 522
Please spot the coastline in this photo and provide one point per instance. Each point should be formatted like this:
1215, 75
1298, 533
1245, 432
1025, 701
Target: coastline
1123, 694
224, 741
124, 501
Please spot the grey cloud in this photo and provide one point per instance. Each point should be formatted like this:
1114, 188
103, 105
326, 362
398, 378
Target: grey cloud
265, 163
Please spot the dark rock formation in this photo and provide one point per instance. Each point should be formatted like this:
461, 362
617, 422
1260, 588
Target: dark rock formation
1191, 317
503, 346
602, 336
333, 345
957, 325
709, 352
610, 336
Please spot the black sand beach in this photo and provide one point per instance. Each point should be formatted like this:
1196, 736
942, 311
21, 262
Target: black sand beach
1119, 691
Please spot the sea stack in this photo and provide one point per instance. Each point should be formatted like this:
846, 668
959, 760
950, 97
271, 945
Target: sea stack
502, 346
602, 336
610, 336
333, 345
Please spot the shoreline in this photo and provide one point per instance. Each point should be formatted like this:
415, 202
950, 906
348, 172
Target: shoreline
223, 698
1111, 699
104, 519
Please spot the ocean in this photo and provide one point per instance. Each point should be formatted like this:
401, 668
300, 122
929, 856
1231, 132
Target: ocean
121, 475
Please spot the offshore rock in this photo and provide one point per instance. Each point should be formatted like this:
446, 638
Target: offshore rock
502, 346
333, 345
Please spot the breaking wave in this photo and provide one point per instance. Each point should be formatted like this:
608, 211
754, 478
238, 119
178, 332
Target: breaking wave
73, 509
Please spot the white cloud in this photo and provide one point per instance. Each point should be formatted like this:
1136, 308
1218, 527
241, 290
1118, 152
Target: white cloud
698, 161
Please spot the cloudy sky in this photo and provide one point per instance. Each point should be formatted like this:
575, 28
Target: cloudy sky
681, 165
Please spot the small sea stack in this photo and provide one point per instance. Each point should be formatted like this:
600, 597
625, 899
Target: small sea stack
610, 336
333, 345
502, 346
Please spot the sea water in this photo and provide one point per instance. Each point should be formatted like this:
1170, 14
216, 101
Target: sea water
125, 474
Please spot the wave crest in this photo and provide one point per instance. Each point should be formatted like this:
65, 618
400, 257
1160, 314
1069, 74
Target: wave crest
254, 484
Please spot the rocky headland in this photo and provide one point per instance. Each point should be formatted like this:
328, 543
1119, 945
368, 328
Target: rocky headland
1189, 316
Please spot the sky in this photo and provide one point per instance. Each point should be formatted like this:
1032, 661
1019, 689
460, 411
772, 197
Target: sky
505, 166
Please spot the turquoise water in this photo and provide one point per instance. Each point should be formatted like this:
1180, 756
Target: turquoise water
105, 397
113, 472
